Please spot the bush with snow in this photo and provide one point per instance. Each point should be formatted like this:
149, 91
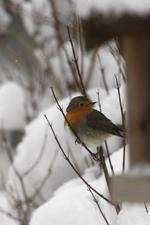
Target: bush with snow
39, 148
104, 61
74, 203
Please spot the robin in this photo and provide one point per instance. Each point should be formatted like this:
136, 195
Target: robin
91, 126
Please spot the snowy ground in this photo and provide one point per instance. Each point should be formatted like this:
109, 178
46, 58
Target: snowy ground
74, 203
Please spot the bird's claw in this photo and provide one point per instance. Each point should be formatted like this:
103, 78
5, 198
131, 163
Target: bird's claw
77, 141
95, 156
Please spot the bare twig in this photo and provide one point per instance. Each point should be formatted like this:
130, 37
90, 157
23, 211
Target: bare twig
91, 68
123, 123
83, 91
97, 203
99, 102
117, 57
146, 208
8, 151
106, 145
103, 165
80, 41
73, 167
74, 132
109, 159
102, 69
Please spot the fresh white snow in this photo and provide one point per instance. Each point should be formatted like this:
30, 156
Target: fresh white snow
74, 203
12, 110
109, 7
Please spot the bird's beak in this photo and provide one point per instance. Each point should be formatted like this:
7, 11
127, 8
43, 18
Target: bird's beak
93, 103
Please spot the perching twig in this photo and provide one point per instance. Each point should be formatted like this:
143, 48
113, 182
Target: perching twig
106, 145
74, 132
103, 165
109, 159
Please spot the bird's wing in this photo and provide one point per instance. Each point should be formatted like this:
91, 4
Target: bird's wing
100, 122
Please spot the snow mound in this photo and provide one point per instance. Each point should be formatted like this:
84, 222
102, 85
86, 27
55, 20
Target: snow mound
12, 110
74, 203
106, 7
4, 209
133, 214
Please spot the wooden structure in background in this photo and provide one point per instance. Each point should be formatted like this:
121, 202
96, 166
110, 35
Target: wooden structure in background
133, 33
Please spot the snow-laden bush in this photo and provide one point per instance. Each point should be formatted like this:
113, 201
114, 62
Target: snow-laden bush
38, 155
74, 203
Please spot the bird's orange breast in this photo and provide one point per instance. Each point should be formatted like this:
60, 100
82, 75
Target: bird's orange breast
77, 115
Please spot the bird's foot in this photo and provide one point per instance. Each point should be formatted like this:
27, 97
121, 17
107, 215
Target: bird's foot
77, 141
95, 156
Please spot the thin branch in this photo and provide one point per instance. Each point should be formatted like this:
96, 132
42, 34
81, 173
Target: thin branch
146, 208
80, 41
105, 170
109, 159
102, 69
123, 123
83, 91
91, 68
117, 57
73, 167
8, 151
120, 102
73, 131
97, 203
99, 102
106, 145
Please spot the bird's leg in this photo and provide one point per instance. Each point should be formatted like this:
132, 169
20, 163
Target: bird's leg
95, 156
77, 141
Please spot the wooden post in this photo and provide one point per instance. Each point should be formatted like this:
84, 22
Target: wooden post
137, 55
136, 188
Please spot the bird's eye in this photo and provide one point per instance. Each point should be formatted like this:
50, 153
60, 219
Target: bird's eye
81, 104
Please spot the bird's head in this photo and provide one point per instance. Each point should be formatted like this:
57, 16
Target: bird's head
78, 108
80, 103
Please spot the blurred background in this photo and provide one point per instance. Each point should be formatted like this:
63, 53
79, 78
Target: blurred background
42, 46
